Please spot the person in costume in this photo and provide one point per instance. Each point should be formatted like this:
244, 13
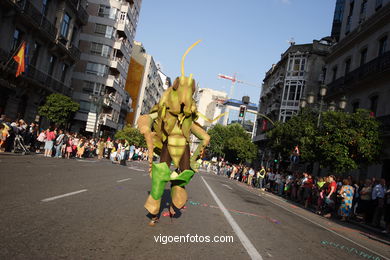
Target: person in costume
167, 129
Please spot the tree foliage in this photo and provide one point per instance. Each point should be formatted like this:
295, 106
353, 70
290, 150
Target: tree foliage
58, 109
342, 142
232, 142
132, 135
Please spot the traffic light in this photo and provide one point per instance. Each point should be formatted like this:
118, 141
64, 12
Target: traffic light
276, 160
242, 111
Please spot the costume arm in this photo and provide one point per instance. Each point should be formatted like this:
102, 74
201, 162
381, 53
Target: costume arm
204, 138
145, 123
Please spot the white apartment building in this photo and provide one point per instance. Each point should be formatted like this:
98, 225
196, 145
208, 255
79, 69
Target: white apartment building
151, 86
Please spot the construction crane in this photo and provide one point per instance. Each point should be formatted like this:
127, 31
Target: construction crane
234, 80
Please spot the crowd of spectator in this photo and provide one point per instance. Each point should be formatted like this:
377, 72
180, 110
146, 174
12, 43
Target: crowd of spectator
57, 143
366, 201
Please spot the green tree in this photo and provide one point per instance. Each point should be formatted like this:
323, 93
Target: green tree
132, 135
58, 109
232, 142
342, 142
347, 140
299, 130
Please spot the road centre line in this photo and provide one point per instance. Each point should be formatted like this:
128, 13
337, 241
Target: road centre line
63, 195
123, 180
253, 253
324, 227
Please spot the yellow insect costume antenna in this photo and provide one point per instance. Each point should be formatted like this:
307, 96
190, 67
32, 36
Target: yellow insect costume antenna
182, 62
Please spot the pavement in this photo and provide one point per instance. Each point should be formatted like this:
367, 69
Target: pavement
89, 209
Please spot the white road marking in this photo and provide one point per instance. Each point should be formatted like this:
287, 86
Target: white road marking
332, 231
135, 169
85, 161
236, 228
63, 195
227, 186
123, 180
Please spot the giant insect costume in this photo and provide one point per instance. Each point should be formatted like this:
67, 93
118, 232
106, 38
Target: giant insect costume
167, 129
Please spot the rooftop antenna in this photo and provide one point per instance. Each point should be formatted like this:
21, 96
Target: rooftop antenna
291, 41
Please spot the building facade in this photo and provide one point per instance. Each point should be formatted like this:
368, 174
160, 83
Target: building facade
99, 78
51, 31
144, 83
232, 109
300, 70
358, 68
210, 103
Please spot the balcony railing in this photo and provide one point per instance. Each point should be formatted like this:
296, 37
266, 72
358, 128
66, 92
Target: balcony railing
47, 81
74, 52
385, 124
27, 9
33, 75
366, 71
82, 14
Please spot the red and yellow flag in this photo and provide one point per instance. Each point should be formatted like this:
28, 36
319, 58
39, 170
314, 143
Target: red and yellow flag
19, 58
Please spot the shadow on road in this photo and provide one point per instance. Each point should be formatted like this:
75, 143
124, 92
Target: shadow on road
166, 201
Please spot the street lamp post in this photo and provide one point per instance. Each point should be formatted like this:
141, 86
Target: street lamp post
309, 101
97, 100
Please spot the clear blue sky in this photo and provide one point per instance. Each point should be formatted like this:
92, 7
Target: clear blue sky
244, 37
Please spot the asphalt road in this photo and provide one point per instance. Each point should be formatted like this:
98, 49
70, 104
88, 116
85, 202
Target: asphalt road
88, 209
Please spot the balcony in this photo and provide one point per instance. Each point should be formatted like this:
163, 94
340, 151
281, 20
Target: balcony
33, 76
385, 124
119, 64
279, 81
123, 26
123, 46
81, 13
364, 73
275, 107
33, 17
107, 120
47, 81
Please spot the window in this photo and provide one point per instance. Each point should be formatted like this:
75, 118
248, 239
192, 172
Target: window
382, 46
293, 90
85, 106
100, 28
107, 12
378, 4
363, 56
107, 31
347, 66
349, 18
296, 65
74, 34
100, 49
52, 62
374, 104
96, 69
44, 7
355, 106
334, 76
16, 39
92, 87
64, 70
122, 16
65, 26
35, 54
363, 7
